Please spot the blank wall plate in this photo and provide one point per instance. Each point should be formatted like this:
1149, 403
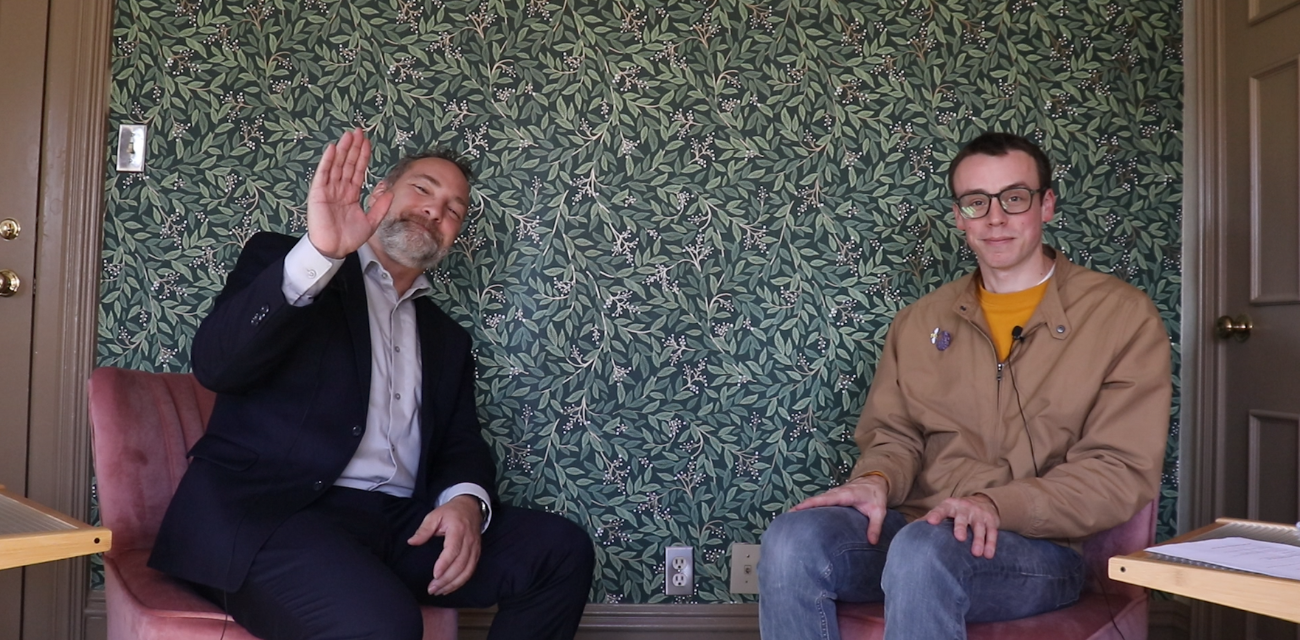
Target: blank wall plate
679, 571
744, 567
130, 147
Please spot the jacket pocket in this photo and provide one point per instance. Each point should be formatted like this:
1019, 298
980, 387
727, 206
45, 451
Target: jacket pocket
223, 452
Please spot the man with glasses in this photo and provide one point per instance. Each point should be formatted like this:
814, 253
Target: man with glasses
1014, 412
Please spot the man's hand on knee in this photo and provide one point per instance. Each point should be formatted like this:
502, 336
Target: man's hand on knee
458, 522
868, 494
976, 512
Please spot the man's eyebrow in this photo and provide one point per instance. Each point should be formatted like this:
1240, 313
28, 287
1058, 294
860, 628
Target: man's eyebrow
1014, 185
434, 181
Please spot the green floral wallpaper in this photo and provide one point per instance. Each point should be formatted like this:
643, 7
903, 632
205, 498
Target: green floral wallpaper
694, 223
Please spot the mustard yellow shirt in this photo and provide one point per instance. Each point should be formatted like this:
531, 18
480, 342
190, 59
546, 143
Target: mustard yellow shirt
1005, 311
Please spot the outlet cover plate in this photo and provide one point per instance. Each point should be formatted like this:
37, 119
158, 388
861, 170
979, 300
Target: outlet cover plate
679, 571
744, 567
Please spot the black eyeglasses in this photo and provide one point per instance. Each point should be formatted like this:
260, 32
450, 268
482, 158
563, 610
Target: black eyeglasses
973, 206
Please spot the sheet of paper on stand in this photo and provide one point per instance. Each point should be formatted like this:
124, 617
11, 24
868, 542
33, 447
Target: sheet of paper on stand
1243, 554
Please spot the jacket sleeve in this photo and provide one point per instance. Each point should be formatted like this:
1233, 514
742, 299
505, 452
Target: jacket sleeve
889, 440
251, 326
1114, 467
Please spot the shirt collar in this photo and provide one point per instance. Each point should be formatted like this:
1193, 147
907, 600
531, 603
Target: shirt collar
373, 268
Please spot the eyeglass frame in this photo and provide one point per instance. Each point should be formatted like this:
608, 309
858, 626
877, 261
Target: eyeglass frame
996, 196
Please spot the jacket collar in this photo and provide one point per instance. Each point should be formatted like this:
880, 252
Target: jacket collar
1050, 312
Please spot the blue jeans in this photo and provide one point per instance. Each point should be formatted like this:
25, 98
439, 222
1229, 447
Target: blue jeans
930, 583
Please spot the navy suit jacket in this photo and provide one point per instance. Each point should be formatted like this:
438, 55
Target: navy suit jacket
292, 388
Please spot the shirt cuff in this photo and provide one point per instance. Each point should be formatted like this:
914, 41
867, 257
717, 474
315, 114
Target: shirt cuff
306, 272
471, 489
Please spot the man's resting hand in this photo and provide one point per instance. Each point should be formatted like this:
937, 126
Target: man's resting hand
977, 512
868, 494
458, 521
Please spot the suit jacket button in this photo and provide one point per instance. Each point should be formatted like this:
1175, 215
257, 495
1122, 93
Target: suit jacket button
357, 430
317, 485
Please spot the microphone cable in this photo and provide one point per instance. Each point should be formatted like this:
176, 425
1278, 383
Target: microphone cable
1018, 335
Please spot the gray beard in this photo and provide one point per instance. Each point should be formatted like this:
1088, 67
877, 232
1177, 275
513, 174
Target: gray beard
408, 244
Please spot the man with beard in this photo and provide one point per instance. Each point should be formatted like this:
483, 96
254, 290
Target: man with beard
343, 480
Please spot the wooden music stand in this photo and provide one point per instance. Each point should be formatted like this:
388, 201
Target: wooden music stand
1276, 597
31, 534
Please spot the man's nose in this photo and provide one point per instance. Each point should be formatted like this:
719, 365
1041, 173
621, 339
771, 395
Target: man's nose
997, 215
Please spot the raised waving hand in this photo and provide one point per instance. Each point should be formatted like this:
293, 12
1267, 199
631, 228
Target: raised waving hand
336, 223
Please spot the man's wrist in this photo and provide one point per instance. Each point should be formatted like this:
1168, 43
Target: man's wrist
985, 501
875, 474
478, 505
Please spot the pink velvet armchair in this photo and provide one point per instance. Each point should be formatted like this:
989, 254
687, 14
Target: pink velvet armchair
143, 424
1088, 619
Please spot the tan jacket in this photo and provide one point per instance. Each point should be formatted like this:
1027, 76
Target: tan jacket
1091, 373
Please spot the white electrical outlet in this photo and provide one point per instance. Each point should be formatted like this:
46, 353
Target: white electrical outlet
744, 567
679, 571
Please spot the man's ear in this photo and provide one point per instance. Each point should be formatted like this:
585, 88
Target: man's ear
1049, 205
379, 190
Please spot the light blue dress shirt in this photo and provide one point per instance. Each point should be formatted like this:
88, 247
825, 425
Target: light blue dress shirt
388, 457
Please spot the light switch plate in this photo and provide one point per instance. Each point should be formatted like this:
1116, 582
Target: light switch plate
130, 147
744, 567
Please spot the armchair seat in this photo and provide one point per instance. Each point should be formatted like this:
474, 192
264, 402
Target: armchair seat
142, 426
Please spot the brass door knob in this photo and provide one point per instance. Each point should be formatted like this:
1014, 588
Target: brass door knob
1237, 328
9, 283
9, 228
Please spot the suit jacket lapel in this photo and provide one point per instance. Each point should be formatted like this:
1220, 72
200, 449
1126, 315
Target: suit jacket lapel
357, 311
431, 350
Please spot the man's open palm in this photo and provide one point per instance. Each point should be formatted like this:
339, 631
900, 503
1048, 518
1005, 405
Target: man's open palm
336, 223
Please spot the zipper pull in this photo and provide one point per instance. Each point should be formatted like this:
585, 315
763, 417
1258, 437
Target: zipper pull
1000, 365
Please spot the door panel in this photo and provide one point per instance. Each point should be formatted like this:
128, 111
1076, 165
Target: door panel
1275, 116
22, 86
1273, 494
1259, 438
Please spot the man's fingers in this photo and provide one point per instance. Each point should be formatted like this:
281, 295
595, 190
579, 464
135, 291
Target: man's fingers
874, 524
445, 561
358, 177
427, 529
815, 501
991, 543
455, 564
827, 499
347, 177
936, 515
319, 179
338, 160
959, 524
977, 538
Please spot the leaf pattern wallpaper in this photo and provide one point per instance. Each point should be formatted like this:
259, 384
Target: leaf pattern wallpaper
694, 219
